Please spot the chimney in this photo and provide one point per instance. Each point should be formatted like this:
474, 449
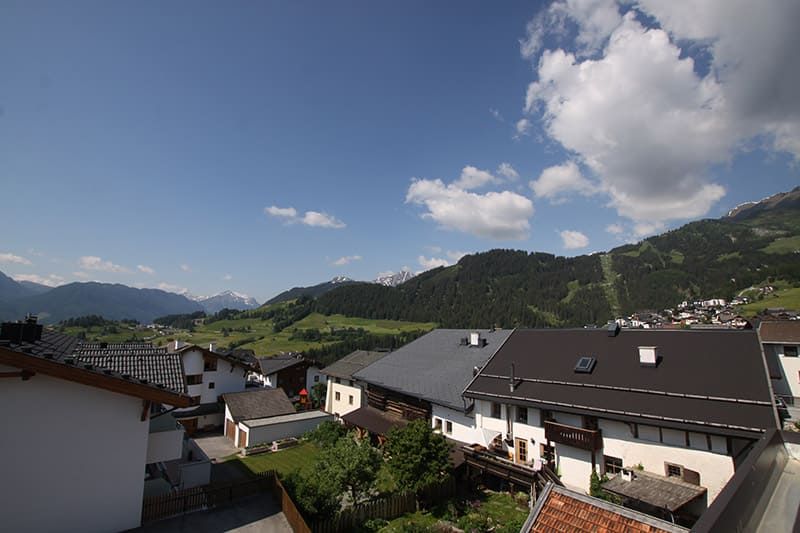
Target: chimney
648, 355
212, 346
475, 371
512, 381
474, 338
179, 344
627, 474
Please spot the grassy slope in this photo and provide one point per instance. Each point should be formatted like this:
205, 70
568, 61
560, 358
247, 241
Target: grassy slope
788, 298
263, 340
300, 457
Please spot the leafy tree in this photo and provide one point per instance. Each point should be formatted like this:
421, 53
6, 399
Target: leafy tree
596, 488
352, 465
316, 496
326, 434
417, 456
318, 394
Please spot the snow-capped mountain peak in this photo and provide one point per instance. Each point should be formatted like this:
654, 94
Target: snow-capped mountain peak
392, 279
229, 300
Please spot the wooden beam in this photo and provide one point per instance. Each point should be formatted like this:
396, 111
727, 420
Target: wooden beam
24, 374
145, 409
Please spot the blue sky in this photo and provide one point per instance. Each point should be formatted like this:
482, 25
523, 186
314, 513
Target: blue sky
255, 146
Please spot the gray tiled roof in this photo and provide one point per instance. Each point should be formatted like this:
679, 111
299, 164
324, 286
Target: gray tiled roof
258, 404
276, 363
118, 348
350, 364
163, 368
435, 367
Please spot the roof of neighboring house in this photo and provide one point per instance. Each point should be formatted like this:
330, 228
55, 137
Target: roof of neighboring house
350, 364
659, 491
52, 354
560, 509
435, 367
294, 417
203, 409
235, 358
276, 363
165, 369
373, 420
715, 379
118, 348
780, 331
261, 403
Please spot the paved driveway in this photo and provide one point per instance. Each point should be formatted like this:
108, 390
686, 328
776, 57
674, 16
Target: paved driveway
216, 447
257, 514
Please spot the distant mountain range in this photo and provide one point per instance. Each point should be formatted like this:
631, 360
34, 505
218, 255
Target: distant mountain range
314, 291
227, 300
393, 280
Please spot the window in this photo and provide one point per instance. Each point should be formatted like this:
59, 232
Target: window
613, 465
350, 382
522, 451
522, 415
350, 400
338, 380
209, 364
547, 453
194, 379
338, 396
316, 379
790, 351
496, 411
673, 470
211, 385
437, 424
448, 427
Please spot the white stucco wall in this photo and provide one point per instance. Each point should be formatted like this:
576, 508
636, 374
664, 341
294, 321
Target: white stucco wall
165, 445
313, 373
74, 457
463, 429
285, 430
342, 406
574, 465
790, 370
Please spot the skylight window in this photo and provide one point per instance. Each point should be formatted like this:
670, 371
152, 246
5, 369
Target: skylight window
585, 365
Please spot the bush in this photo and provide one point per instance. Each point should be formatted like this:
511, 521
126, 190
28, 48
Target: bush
326, 434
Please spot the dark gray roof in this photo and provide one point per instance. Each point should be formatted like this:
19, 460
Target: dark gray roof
162, 368
258, 404
709, 378
374, 420
350, 364
276, 363
436, 367
198, 410
59, 348
118, 348
659, 491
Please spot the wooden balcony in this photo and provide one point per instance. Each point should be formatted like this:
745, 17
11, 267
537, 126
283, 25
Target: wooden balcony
585, 439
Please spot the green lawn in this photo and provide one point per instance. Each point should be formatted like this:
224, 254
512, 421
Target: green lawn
784, 245
300, 457
503, 512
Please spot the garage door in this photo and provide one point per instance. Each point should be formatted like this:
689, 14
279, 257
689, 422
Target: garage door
242, 438
230, 429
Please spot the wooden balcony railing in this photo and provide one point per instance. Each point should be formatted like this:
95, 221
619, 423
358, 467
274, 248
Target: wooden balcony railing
585, 439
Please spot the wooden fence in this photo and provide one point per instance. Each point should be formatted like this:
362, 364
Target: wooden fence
205, 497
290, 510
388, 507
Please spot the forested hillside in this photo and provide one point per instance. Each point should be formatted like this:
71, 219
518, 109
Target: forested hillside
759, 243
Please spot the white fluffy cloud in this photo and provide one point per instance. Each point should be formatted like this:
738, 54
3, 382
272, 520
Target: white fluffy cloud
11, 258
309, 218
630, 105
428, 263
522, 127
474, 178
494, 215
558, 180
169, 287
615, 229
92, 262
572, 240
145, 269
51, 281
507, 171
346, 260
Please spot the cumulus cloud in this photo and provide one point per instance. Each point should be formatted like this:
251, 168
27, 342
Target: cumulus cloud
556, 181
169, 287
427, 263
186, 268
474, 178
310, 218
92, 262
145, 269
496, 114
11, 258
346, 260
615, 229
628, 101
572, 240
52, 280
494, 215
